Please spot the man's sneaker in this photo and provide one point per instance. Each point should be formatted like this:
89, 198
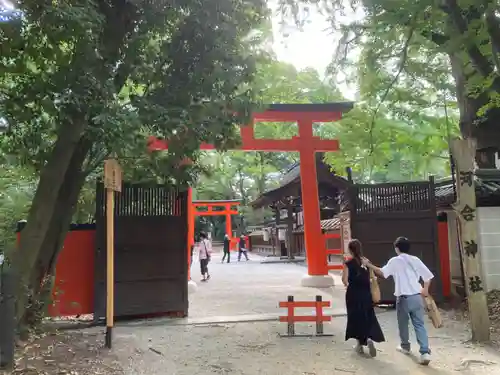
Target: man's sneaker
425, 359
371, 349
403, 350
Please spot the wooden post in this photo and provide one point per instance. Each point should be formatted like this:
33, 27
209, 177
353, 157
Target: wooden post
112, 183
190, 233
110, 270
277, 230
463, 151
291, 313
7, 318
319, 314
289, 219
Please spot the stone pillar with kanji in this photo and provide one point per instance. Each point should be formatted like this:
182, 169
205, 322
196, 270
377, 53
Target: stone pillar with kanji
463, 152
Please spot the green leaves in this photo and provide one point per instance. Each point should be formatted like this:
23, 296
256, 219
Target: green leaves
127, 72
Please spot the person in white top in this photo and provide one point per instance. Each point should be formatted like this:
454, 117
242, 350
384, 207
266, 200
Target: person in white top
407, 270
204, 253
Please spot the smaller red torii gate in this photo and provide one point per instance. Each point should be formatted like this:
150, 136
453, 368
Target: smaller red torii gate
230, 207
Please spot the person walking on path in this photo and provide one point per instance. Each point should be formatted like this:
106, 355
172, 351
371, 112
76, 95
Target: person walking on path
242, 248
204, 253
407, 270
362, 323
227, 249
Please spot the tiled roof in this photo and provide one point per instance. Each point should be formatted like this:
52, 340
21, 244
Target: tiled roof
487, 187
290, 183
326, 225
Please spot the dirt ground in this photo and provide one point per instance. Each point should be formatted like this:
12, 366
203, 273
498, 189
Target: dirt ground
257, 348
66, 353
221, 338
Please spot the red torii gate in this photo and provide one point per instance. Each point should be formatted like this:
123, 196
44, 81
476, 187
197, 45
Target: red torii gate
230, 208
307, 145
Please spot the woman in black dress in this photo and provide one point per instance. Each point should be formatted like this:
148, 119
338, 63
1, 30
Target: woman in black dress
362, 323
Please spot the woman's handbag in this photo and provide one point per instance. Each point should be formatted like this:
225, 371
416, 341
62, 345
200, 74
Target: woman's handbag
374, 287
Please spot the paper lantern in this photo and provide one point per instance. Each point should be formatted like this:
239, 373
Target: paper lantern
281, 234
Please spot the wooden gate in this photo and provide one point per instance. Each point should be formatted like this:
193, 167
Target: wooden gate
382, 212
150, 252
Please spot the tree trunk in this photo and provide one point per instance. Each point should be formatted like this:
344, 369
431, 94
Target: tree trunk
43, 209
484, 129
463, 152
61, 219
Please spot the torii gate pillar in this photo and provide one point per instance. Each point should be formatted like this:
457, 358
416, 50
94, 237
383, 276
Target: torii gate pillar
317, 263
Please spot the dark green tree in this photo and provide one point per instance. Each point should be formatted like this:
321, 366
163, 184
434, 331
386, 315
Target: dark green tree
81, 79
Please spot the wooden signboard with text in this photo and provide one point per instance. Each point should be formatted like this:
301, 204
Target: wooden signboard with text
112, 175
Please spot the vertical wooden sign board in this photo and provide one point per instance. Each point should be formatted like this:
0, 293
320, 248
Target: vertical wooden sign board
112, 183
345, 234
464, 151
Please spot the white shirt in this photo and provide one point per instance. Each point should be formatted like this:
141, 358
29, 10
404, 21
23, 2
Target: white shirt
406, 271
204, 249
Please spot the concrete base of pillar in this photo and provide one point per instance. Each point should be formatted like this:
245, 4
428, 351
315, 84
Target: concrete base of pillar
192, 287
317, 281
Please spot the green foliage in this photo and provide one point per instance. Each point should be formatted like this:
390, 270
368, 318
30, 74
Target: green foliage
417, 58
120, 73
388, 149
126, 72
17, 187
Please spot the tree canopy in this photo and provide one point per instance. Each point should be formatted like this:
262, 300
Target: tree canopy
84, 79
420, 57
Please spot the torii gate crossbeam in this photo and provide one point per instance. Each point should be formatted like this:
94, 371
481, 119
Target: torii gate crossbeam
307, 145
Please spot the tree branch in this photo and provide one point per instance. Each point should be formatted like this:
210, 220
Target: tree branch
436, 38
493, 27
480, 62
402, 64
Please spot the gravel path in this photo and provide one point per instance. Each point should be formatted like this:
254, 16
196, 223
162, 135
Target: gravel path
235, 290
243, 288
256, 348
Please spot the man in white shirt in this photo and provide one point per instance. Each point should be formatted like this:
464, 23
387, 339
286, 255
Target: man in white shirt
407, 270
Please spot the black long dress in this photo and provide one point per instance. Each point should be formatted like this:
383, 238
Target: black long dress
362, 323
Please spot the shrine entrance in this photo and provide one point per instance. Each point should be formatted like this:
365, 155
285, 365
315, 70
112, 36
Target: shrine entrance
307, 145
